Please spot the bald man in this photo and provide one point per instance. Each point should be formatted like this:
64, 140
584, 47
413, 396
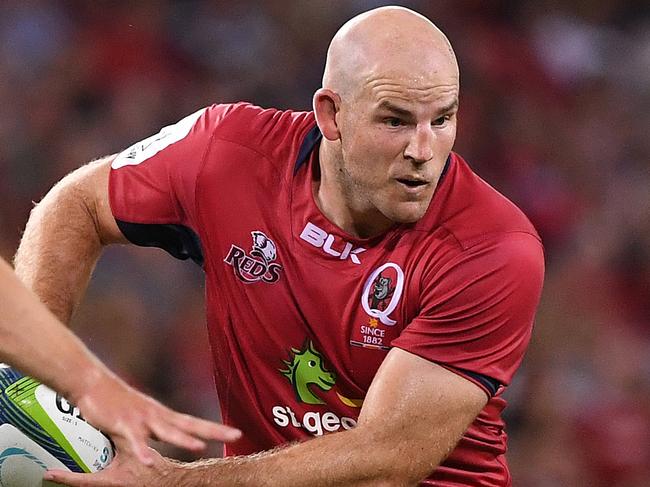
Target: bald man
368, 296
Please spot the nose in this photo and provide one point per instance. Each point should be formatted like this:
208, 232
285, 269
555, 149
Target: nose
420, 144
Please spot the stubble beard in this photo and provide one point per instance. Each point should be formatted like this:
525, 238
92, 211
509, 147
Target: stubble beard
366, 201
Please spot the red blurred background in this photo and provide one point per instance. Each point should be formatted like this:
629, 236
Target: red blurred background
555, 113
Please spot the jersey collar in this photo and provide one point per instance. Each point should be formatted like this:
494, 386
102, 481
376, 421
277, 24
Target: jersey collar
311, 140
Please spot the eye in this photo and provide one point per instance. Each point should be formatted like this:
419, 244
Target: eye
312, 364
441, 120
393, 122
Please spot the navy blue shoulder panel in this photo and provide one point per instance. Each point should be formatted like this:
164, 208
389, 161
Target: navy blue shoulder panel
492, 385
310, 141
180, 241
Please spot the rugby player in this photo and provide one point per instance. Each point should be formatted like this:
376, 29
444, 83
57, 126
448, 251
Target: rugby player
368, 296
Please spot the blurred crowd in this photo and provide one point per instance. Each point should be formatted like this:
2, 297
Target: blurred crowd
555, 113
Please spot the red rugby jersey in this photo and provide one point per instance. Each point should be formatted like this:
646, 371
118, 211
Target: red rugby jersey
300, 314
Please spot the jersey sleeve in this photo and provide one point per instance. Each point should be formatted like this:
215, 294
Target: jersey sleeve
478, 309
152, 184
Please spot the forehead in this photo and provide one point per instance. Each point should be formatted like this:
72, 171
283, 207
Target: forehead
412, 90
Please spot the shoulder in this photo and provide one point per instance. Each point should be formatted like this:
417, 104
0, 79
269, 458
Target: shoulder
268, 131
474, 213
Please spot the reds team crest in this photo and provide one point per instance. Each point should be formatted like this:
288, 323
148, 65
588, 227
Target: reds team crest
257, 266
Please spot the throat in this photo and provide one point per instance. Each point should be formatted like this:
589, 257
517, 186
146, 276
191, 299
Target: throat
357, 220
343, 204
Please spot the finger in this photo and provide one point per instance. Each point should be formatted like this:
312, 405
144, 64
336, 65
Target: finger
72, 479
205, 429
135, 443
175, 436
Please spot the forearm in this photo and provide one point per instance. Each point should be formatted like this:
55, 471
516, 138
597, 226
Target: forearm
404, 432
28, 334
60, 247
350, 458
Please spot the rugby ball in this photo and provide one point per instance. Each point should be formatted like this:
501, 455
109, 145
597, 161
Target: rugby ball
39, 430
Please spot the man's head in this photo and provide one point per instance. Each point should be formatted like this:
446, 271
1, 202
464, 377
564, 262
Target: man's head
387, 111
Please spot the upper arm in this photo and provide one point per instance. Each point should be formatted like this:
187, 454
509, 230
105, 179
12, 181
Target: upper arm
92, 179
64, 236
82, 199
418, 410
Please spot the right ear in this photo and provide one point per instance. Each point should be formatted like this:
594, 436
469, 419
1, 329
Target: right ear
326, 106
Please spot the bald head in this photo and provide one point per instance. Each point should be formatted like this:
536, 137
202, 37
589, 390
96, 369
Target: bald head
386, 41
387, 113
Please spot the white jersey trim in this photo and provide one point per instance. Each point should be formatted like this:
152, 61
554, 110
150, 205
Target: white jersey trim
149, 147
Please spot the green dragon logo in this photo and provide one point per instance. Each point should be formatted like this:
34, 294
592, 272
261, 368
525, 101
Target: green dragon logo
306, 368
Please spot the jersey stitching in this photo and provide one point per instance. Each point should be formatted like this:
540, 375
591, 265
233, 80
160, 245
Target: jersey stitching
262, 154
485, 237
488, 236
462, 249
213, 138
199, 174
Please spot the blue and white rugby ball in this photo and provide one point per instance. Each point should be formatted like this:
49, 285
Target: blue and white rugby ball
39, 429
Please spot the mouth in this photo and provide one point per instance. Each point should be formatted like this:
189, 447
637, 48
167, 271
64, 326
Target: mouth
412, 184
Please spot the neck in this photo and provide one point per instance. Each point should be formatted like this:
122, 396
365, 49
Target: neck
344, 206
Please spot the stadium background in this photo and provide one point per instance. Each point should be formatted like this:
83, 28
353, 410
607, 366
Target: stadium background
555, 113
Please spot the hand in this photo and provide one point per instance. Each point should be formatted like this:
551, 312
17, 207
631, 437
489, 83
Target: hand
124, 471
130, 418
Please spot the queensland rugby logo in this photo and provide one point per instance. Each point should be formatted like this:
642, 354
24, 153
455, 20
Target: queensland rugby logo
259, 265
382, 292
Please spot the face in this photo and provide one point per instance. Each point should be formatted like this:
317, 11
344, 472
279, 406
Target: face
395, 136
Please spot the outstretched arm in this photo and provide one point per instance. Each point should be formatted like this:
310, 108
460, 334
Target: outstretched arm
413, 416
34, 341
62, 241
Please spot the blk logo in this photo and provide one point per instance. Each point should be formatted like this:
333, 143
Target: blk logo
319, 238
259, 265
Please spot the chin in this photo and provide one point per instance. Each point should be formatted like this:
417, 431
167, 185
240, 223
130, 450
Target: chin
407, 212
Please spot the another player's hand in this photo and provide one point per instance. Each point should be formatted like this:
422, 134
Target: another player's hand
131, 418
